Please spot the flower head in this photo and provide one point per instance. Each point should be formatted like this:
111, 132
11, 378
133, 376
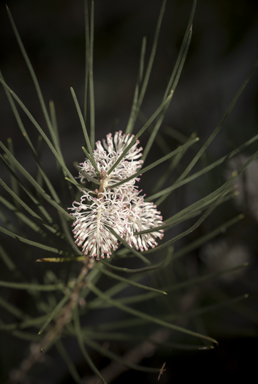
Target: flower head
105, 156
92, 217
143, 216
121, 208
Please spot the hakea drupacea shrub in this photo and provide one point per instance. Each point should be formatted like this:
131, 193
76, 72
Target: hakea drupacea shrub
122, 208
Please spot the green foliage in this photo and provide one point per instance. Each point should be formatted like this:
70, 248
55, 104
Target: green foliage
64, 301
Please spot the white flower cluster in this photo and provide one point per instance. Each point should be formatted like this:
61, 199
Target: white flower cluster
120, 208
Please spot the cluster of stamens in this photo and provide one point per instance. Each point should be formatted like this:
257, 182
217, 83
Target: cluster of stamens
121, 207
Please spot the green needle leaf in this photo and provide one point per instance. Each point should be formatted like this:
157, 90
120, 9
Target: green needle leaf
142, 130
33, 287
145, 316
81, 344
84, 129
131, 282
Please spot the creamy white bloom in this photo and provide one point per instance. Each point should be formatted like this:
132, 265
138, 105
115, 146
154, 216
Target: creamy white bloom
92, 216
143, 216
124, 211
120, 208
105, 156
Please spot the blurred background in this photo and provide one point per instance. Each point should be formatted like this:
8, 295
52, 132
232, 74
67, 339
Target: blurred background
222, 53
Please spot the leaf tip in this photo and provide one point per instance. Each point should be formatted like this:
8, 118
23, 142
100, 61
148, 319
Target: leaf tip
206, 348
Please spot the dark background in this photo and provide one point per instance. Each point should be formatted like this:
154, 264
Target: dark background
222, 52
